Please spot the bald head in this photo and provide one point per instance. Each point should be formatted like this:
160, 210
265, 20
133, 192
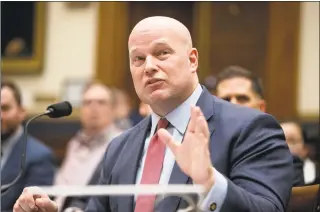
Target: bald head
162, 24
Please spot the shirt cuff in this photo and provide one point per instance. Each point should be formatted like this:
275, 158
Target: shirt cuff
73, 209
216, 196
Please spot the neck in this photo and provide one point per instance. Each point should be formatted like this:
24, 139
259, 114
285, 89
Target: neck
94, 131
7, 135
162, 108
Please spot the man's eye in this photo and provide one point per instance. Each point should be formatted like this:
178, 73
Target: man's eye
5, 107
226, 99
139, 58
243, 98
164, 52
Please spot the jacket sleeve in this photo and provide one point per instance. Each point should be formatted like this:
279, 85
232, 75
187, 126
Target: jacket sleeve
261, 168
298, 171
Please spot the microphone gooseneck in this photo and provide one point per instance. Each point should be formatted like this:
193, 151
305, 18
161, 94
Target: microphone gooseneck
53, 111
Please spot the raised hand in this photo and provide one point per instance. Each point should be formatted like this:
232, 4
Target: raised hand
33, 199
193, 155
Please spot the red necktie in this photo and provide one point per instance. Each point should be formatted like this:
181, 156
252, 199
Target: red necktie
152, 169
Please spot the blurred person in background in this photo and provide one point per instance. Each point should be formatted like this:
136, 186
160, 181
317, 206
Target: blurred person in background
296, 138
139, 113
39, 166
122, 109
86, 149
144, 109
240, 86
210, 82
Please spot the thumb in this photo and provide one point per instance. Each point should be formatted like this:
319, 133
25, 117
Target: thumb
167, 139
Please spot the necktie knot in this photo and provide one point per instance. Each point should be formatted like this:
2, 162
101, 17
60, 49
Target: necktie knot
163, 123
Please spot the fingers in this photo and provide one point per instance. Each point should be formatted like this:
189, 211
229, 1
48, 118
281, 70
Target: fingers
27, 201
46, 205
198, 123
17, 208
167, 139
201, 125
193, 117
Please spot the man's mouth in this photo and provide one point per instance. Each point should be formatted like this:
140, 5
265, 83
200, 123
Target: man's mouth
153, 81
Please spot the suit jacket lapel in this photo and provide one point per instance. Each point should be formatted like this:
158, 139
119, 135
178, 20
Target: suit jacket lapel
206, 104
169, 204
12, 166
130, 162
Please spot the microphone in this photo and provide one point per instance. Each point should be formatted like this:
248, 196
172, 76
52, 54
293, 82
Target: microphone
53, 111
59, 110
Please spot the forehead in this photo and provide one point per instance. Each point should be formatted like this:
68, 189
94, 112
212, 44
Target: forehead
151, 37
236, 85
7, 95
96, 92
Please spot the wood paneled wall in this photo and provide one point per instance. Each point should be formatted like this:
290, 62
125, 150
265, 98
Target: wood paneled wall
261, 36
112, 51
281, 74
238, 35
202, 37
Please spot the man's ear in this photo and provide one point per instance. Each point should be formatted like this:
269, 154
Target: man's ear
193, 60
22, 114
263, 105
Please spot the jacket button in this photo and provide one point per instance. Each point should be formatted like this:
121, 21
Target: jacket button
213, 207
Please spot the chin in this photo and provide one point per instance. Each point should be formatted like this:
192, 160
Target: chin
158, 95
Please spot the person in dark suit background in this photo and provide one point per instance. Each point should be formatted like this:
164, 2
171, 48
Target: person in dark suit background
240, 86
239, 155
40, 161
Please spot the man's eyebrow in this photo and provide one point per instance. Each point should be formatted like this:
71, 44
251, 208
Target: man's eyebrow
133, 50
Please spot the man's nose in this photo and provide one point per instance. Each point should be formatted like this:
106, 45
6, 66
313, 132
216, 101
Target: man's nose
151, 66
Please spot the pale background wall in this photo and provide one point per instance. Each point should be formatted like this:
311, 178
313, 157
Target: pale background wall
308, 99
71, 49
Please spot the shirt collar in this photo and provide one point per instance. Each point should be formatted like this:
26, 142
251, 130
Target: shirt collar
179, 117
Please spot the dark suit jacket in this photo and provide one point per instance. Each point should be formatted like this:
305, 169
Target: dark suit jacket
248, 147
39, 170
298, 171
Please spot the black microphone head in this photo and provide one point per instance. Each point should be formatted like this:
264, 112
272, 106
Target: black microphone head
59, 110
